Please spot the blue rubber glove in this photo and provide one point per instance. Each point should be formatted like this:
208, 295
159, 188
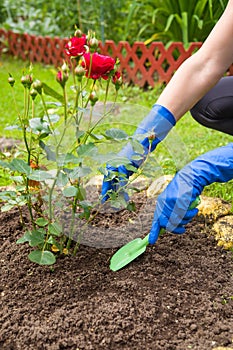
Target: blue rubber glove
156, 124
172, 207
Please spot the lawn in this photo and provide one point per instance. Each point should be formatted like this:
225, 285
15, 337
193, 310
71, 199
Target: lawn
187, 140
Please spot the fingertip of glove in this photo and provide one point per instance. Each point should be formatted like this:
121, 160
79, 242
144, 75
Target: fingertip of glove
179, 230
154, 234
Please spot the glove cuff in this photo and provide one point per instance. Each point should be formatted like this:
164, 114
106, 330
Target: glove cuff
158, 122
164, 112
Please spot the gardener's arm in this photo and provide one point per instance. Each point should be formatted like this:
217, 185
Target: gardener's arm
193, 79
201, 72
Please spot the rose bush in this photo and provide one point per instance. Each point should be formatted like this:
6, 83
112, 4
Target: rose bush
60, 149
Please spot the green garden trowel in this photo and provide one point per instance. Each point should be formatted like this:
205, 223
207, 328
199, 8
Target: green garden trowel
133, 249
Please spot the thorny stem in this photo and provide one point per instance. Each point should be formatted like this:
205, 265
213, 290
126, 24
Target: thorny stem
106, 94
65, 120
24, 125
74, 207
23, 122
50, 196
87, 101
51, 189
76, 87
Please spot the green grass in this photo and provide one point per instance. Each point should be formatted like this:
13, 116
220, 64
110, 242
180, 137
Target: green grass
186, 141
17, 68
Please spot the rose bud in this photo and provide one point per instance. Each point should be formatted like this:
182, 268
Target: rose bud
33, 94
37, 85
151, 137
78, 33
11, 81
93, 98
79, 72
93, 44
117, 80
65, 68
27, 80
62, 78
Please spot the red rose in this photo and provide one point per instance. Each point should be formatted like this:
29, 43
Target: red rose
100, 65
76, 46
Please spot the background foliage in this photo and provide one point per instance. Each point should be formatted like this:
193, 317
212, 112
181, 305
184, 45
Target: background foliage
166, 20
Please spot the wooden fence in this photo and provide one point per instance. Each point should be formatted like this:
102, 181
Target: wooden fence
140, 64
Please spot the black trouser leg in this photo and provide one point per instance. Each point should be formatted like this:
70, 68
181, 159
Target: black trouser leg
215, 109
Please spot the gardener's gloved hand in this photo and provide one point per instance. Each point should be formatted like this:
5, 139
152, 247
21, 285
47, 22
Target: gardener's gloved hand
172, 207
115, 181
156, 126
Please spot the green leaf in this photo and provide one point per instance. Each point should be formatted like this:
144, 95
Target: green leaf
19, 179
169, 22
6, 195
132, 168
49, 91
37, 238
39, 126
42, 257
116, 134
137, 146
55, 229
86, 209
5, 165
7, 207
117, 161
87, 150
53, 118
13, 127
79, 172
62, 179
118, 202
40, 175
21, 166
81, 195
70, 191
131, 206
105, 158
34, 237
68, 158
25, 238
96, 137
52, 103
42, 222
53, 241
49, 153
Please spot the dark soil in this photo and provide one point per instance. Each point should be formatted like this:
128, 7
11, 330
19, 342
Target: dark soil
176, 296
